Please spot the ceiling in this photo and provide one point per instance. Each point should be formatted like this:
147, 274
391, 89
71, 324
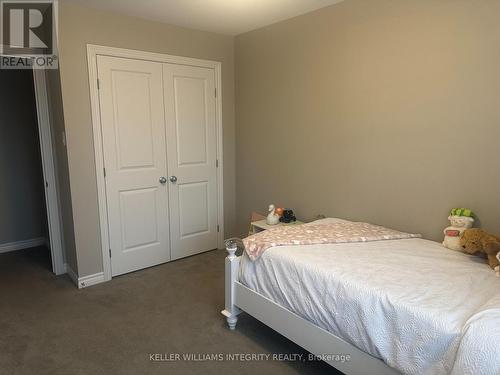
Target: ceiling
230, 17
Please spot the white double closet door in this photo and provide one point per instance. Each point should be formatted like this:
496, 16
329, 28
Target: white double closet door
159, 140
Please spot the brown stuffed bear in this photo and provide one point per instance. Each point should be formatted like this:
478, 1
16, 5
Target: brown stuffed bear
477, 240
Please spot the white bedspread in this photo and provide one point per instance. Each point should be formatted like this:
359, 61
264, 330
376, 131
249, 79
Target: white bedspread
421, 308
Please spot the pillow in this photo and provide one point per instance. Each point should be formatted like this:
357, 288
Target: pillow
328, 220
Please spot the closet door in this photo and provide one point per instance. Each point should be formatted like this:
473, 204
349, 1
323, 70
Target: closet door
190, 110
133, 133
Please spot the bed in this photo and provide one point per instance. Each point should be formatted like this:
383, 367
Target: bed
394, 306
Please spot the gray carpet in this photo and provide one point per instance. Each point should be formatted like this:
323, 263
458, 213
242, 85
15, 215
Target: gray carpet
47, 326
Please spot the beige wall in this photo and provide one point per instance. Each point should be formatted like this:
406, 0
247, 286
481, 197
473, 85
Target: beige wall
385, 111
22, 200
80, 25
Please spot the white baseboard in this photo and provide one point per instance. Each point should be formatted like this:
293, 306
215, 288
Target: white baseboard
20, 245
85, 281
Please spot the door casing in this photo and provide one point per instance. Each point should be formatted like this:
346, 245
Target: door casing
96, 50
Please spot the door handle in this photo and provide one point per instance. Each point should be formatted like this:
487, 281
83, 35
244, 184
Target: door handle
163, 180
173, 179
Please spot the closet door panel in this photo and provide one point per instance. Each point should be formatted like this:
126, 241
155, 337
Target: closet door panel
133, 133
190, 113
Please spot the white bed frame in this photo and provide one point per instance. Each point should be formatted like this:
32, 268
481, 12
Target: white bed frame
309, 336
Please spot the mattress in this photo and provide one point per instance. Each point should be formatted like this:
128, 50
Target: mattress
419, 307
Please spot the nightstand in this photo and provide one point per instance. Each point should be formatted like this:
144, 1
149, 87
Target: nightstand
261, 225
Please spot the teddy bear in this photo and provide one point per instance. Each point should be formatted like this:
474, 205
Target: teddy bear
460, 219
476, 240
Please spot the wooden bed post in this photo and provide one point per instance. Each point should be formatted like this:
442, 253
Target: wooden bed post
232, 266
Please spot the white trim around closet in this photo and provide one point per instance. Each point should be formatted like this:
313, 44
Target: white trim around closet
48, 155
92, 52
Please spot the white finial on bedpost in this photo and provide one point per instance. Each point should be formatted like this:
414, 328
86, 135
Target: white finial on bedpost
232, 265
231, 247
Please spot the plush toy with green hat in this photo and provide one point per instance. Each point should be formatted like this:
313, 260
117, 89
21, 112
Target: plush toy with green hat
462, 212
460, 219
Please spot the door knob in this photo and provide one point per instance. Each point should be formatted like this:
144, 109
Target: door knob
163, 180
173, 179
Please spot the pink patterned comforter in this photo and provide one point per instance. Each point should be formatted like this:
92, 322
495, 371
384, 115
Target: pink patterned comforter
314, 234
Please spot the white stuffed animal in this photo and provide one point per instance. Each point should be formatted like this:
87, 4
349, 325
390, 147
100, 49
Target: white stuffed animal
453, 233
273, 218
